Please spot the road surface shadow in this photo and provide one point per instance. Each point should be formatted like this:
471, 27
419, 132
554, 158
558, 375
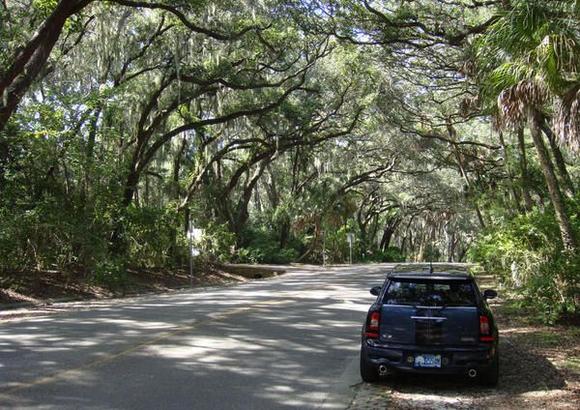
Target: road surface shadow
269, 345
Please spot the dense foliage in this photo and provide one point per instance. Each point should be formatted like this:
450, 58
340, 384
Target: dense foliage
440, 130
529, 261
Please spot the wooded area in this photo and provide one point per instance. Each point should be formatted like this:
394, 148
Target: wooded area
432, 130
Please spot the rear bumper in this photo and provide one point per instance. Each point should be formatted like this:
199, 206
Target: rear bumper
454, 360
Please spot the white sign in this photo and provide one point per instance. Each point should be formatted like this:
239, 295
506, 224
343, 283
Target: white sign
195, 234
350, 239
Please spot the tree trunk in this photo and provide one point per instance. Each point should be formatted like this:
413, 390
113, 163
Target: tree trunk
118, 245
508, 171
553, 187
421, 253
362, 226
130, 188
173, 250
89, 154
284, 233
386, 239
177, 168
313, 244
450, 239
529, 204
28, 63
388, 232
565, 179
453, 136
241, 213
272, 189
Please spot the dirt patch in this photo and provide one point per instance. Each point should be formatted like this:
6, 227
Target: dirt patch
539, 369
40, 288
252, 271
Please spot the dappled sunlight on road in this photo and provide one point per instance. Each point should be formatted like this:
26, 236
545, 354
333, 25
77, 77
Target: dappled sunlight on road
279, 343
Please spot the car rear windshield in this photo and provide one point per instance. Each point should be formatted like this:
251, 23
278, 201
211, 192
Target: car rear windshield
424, 292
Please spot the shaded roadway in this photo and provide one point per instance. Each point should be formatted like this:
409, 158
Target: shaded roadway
288, 342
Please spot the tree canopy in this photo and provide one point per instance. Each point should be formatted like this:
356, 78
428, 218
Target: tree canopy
440, 129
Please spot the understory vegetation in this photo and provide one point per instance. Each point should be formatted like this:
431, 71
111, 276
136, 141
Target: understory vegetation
523, 252
280, 131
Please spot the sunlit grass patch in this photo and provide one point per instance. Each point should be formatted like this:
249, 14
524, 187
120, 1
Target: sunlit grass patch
572, 363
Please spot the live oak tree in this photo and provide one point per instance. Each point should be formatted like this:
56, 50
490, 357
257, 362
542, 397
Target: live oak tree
281, 126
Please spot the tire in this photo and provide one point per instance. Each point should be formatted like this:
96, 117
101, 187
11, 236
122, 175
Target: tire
491, 376
368, 372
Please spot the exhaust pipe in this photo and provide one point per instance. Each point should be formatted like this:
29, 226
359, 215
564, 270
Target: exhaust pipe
382, 370
472, 373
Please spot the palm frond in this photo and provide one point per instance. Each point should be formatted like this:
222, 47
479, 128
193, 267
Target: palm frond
567, 119
558, 59
505, 76
515, 102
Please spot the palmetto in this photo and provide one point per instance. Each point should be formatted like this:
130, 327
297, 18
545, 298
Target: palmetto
530, 60
528, 63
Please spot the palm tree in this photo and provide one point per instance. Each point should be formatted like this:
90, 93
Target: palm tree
529, 63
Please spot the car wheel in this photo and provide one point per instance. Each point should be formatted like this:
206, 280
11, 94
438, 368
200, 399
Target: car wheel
368, 372
491, 376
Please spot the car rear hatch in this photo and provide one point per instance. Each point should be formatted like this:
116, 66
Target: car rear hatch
430, 312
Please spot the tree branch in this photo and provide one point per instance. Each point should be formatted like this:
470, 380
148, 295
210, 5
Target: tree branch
186, 22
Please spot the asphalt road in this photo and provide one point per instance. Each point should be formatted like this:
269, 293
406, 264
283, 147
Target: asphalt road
288, 342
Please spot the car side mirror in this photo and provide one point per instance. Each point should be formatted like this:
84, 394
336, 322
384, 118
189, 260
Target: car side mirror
489, 294
375, 290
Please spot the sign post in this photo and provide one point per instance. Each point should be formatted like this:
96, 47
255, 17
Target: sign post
194, 235
323, 248
350, 239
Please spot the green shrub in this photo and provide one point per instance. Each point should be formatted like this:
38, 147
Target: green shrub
219, 242
263, 247
527, 255
391, 254
152, 235
248, 255
49, 236
110, 273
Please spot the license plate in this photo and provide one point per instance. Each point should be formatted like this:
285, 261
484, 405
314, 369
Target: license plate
428, 360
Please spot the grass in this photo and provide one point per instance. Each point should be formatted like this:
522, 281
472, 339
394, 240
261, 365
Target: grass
572, 364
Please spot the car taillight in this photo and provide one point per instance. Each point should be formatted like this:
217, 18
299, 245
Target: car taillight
372, 330
484, 329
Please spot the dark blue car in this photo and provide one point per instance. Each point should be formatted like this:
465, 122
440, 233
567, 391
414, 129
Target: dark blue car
430, 320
